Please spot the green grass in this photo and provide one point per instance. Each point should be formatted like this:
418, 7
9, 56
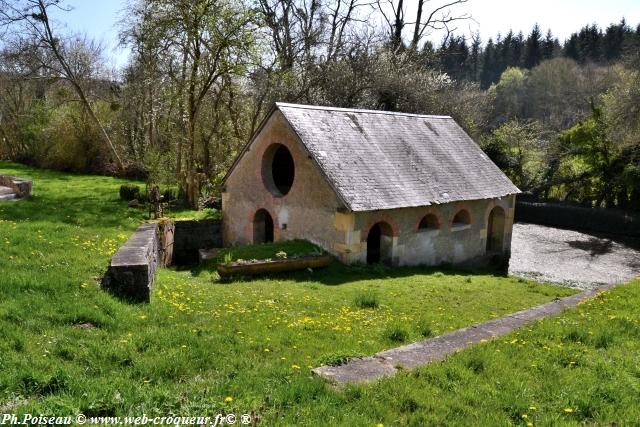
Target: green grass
69, 347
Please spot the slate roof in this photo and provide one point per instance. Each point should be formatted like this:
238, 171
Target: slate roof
383, 160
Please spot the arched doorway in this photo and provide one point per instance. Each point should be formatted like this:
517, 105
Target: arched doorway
380, 244
495, 230
262, 227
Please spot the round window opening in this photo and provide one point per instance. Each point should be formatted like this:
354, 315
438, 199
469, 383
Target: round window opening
278, 170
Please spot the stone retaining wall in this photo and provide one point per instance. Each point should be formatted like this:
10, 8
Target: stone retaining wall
131, 273
564, 215
189, 236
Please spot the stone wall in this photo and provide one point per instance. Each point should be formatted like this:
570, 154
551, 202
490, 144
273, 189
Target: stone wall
131, 273
446, 243
567, 215
307, 211
189, 236
22, 187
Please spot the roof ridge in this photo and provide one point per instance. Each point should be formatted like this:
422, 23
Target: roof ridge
358, 110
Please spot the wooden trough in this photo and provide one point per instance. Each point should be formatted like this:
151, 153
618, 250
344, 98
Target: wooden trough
273, 266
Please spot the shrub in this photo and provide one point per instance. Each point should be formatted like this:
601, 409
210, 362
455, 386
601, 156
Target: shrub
129, 192
366, 300
136, 171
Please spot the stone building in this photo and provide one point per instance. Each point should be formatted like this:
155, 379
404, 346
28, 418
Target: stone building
369, 186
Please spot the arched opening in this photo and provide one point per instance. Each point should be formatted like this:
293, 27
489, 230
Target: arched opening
262, 227
461, 218
380, 244
495, 230
278, 170
429, 222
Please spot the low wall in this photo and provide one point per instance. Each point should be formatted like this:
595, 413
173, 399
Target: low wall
131, 273
22, 187
132, 269
189, 236
577, 217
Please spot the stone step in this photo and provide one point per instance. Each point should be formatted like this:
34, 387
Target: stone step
5, 191
7, 197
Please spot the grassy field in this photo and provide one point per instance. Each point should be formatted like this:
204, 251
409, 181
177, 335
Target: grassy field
202, 346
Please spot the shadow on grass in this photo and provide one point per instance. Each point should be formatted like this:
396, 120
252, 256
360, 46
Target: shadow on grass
339, 274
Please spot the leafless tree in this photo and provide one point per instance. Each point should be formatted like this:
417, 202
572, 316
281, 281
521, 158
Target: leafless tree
29, 21
438, 17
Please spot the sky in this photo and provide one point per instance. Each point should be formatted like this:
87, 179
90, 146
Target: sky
99, 18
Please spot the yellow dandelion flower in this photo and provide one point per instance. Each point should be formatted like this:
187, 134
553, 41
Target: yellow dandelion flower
568, 410
295, 367
84, 285
228, 399
379, 425
532, 408
267, 350
525, 416
529, 424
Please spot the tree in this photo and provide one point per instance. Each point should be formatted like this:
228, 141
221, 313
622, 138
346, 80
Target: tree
211, 41
29, 21
473, 63
437, 18
510, 95
488, 71
533, 48
453, 56
556, 94
588, 142
550, 46
518, 147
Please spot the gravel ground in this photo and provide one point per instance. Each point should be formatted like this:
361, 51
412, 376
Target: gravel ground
572, 258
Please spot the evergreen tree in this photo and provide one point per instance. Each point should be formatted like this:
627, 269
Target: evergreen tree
473, 63
571, 48
589, 44
550, 46
508, 56
518, 47
453, 55
614, 39
533, 48
488, 73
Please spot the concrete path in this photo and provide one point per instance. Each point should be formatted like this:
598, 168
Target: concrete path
572, 258
390, 362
